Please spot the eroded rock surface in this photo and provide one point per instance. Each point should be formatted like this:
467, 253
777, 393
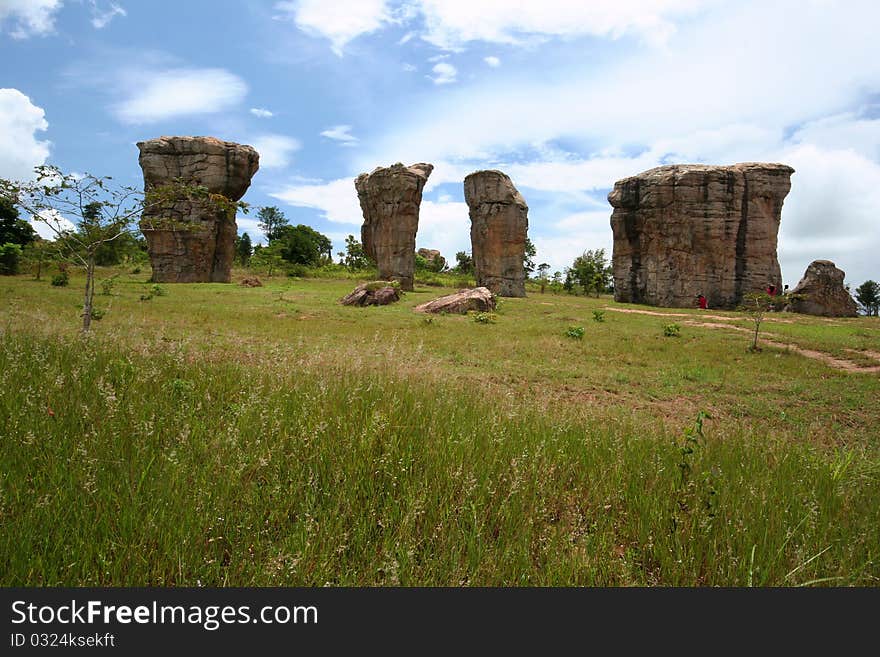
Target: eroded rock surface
390, 198
499, 227
821, 292
686, 229
479, 299
193, 241
375, 293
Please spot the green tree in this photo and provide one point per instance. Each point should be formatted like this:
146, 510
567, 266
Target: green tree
529, 257
10, 258
464, 263
868, 296
355, 258
272, 222
303, 245
590, 270
556, 284
267, 258
543, 268
243, 249
13, 229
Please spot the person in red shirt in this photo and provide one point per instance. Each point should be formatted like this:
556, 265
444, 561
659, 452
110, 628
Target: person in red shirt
704, 303
771, 290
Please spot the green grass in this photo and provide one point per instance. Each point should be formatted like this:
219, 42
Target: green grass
233, 436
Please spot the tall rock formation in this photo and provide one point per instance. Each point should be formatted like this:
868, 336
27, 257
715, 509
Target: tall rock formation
390, 198
821, 292
193, 241
688, 229
499, 227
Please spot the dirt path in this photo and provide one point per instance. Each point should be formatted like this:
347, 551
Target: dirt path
828, 359
722, 318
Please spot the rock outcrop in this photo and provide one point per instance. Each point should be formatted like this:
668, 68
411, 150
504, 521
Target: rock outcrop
431, 255
499, 228
390, 198
821, 292
192, 241
375, 293
478, 299
685, 230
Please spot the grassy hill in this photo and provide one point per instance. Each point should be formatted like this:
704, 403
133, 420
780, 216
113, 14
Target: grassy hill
225, 435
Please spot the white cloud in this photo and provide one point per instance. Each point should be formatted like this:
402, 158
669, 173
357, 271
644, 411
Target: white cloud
340, 133
444, 73
451, 25
337, 199
50, 223
101, 18
159, 95
339, 21
492, 61
29, 17
409, 68
20, 150
275, 150
261, 113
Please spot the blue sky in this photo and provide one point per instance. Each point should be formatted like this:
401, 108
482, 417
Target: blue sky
566, 96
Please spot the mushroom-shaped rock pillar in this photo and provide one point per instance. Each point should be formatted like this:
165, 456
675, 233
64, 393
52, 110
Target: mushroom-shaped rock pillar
192, 240
390, 198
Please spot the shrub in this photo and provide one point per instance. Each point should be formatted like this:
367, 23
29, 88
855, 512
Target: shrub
672, 330
485, 318
136, 270
575, 332
598, 315
158, 291
107, 285
61, 279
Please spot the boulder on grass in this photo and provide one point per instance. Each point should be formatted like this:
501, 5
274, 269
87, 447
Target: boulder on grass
251, 281
479, 299
821, 292
375, 293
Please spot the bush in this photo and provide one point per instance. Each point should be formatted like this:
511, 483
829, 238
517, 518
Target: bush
10, 259
107, 285
61, 279
297, 271
485, 318
598, 315
575, 332
671, 330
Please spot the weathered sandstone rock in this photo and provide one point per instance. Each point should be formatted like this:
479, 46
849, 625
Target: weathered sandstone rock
390, 199
193, 241
499, 227
375, 293
821, 292
251, 281
431, 255
688, 229
479, 299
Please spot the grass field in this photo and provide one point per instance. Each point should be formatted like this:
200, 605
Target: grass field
226, 435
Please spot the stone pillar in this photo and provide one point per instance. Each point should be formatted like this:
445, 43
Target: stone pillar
390, 198
192, 241
499, 228
687, 229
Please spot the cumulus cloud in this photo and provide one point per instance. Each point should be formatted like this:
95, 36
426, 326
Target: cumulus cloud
337, 199
444, 73
261, 113
101, 17
339, 21
340, 133
153, 96
20, 121
275, 150
492, 61
25, 18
